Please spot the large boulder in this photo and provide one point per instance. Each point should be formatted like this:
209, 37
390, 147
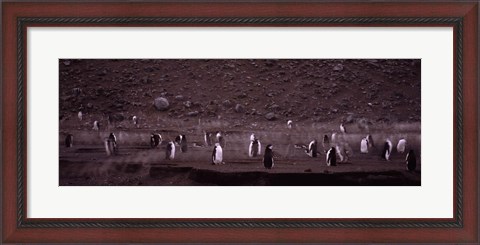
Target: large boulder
161, 103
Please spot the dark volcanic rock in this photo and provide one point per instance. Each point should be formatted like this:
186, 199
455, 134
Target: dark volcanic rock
179, 97
187, 104
192, 114
288, 88
350, 118
242, 95
161, 103
275, 107
239, 108
338, 67
270, 116
227, 103
116, 118
77, 91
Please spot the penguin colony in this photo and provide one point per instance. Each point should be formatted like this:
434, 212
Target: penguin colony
332, 147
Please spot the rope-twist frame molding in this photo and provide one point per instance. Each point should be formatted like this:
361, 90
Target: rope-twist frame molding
23, 22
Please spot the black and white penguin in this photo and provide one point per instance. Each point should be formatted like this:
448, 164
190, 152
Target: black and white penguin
170, 151
411, 161
387, 150
220, 139
343, 129
135, 120
96, 125
208, 138
364, 145
217, 154
331, 158
401, 145
255, 147
80, 116
155, 140
252, 137
182, 141
289, 124
312, 149
69, 140
109, 144
113, 139
268, 157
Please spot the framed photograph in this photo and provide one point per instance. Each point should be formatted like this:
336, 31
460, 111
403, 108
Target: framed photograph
313, 122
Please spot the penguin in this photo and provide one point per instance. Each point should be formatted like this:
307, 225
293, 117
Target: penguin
343, 129
387, 150
370, 141
182, 141
220, 139
96, 125
331, 158
113, 141
289, 124
135, 120
411, 161
312, 149
217, 154
364, 145
170, 151
208, 138
252, 137
106, 143
155, 140
268, 157
254, 148
69, 140
325, 143
401, 145
80, 115
109, 146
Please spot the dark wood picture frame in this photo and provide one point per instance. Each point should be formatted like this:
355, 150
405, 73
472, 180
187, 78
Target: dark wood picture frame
18, 16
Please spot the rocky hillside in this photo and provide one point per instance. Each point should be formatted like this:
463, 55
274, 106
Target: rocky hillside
386, 91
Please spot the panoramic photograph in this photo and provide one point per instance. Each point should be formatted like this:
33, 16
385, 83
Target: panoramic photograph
239, 122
